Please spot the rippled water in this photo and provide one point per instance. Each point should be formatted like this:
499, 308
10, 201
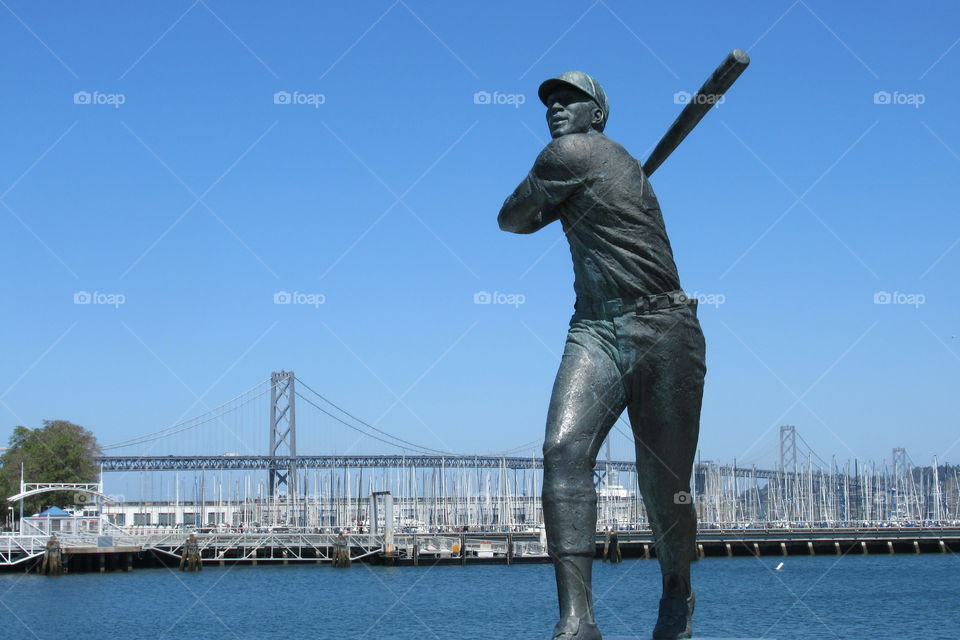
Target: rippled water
877, 597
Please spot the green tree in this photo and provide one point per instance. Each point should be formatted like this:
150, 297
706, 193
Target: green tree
60, 451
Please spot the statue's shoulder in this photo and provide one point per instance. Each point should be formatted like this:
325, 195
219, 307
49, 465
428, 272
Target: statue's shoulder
574, 152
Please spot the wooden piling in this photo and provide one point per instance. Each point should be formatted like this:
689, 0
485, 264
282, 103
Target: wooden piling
341, 553
52, 564
190, 558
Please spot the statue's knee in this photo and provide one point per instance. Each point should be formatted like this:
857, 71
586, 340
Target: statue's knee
565, 453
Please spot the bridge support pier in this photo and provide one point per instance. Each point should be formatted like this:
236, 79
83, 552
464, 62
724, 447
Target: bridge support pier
863, 548
836, 548
810, 548
700, 552
729, 550
916, 546
890, 547
783, 549
646, 552
756, 549
943, 547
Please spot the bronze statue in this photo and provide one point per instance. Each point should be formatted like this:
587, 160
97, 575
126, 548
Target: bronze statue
634, 343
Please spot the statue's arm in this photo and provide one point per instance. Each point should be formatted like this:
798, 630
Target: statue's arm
557, 174
526, 210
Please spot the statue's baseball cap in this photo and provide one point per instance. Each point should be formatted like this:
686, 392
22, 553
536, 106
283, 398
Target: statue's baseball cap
580, 81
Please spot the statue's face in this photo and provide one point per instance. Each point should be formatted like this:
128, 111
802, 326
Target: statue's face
571, 111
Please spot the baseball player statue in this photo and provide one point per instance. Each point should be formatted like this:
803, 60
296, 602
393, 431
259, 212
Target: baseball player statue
634, 343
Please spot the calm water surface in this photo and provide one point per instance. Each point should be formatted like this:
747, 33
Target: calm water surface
876, 597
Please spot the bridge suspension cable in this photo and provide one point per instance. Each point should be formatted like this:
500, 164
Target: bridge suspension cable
410, 446
349, 420
213, 414
812, 452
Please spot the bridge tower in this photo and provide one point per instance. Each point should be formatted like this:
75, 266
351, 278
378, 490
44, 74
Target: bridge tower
283, 431
788, 448
790, 490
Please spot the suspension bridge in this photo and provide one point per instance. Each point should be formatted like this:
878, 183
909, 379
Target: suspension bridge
265, 424
236, 474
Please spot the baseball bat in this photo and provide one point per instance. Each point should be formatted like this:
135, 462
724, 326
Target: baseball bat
708, 95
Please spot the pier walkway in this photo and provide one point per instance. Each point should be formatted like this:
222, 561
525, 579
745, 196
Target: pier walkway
124, 550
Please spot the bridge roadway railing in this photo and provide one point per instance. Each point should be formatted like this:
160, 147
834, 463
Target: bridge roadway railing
16, 548
233, 545
294, 546
472, 544
254, 462
777, 534
78, 531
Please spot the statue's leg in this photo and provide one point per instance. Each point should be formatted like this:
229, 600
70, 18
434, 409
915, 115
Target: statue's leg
587, 398
664, 410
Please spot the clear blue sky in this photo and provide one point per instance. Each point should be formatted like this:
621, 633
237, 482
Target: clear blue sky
198, 198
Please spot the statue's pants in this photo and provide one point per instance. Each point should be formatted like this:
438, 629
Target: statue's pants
651, 364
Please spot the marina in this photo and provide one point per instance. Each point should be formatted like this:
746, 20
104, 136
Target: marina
89, 544
422, 507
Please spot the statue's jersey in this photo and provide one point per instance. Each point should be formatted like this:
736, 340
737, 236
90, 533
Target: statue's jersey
610, 216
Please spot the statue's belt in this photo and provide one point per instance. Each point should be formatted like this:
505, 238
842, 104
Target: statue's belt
642, 304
